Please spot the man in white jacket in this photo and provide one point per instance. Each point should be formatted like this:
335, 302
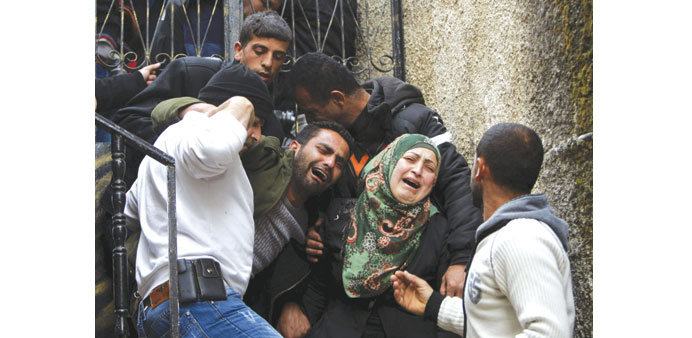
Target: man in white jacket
215, 225
519, 282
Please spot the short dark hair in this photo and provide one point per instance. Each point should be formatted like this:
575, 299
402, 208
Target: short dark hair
514, 154
319, 74
267, 24
311, 129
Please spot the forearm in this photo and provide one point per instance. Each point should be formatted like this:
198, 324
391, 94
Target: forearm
115, 91
167, 112
450, 316
208, 145
315, 297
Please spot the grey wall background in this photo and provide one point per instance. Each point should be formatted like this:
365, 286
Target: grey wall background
480, 62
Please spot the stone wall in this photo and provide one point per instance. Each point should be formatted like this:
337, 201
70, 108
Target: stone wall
479, 63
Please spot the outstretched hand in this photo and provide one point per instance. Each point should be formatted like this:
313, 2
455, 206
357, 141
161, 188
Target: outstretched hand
411, 292
148, 72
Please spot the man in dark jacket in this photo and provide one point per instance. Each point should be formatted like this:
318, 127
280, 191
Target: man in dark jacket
375, 113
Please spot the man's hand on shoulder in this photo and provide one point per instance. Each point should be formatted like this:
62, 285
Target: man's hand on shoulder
453, 281
293, 322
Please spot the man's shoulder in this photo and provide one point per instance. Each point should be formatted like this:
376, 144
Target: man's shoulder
525, 234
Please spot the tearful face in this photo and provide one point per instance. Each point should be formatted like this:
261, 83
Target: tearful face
414, 175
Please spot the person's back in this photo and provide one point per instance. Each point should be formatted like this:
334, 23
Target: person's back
214, 216
214, 194
507, 265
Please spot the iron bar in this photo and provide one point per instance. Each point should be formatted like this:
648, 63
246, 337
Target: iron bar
319, 33
134, 141
172, 20
173, 303
398, 40
343, 32
233, 14
120, 289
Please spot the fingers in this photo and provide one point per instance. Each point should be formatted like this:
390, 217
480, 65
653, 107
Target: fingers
313, 253
443, 286
150, 79
240, 107
313, 244
315, 236
313, 247
454, 289
148, 73
413, 279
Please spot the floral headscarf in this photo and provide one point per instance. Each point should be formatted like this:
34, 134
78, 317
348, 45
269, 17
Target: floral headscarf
384, 233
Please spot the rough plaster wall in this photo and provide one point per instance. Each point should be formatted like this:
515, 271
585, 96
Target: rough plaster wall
484, 62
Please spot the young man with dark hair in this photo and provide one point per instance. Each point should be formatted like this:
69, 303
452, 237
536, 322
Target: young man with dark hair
519, 281
263, 42
375, 113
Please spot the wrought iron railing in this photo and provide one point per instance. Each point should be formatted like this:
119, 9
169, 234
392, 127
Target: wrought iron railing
136, 33
121, 293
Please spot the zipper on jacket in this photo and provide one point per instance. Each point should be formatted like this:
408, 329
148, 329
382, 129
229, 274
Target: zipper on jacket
271, 304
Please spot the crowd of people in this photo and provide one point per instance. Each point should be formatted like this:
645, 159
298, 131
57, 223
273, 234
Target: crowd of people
369, 223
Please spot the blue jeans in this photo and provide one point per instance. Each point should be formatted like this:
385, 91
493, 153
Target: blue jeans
226, 318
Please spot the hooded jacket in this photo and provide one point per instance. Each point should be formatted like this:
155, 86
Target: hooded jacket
519, 280
526, 206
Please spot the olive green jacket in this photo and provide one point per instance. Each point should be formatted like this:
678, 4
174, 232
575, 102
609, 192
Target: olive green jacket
267, 167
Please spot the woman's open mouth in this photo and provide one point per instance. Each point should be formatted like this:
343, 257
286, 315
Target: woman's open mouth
411, 183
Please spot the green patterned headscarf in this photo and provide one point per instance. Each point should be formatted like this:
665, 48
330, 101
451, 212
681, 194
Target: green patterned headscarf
384, 233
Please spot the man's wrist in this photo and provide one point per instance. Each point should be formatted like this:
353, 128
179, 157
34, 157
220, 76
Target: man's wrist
432, 307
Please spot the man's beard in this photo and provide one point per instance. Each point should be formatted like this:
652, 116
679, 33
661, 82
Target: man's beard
477, 195
303, 184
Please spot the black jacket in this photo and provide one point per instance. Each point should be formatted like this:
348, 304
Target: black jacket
114, 91
279, 283
182, 77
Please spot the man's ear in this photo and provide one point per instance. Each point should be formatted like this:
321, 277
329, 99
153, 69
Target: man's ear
294, 145
338, 97
481, 169
237, 50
